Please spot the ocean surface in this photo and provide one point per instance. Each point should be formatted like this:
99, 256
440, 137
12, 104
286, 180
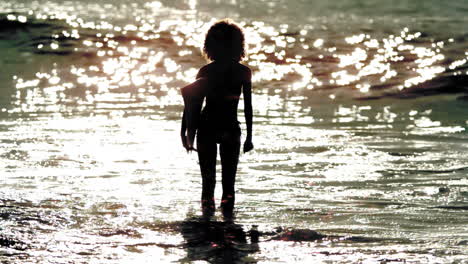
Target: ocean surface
360, 133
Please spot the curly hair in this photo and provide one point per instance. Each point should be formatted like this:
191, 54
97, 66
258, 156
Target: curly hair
224, 41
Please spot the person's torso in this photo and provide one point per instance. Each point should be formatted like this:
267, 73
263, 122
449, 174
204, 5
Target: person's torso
222, 98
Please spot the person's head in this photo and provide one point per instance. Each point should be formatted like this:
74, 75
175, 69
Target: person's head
224, 41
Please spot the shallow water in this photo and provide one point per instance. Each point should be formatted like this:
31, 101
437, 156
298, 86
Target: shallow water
360, 131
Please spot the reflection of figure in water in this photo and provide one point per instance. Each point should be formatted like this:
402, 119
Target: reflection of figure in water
221, 82
217, 242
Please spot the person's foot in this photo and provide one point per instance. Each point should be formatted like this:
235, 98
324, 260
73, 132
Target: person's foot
207, 212
227, 202
228, 214
208, 207
227, 207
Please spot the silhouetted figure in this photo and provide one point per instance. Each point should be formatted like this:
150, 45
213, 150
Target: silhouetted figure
220, 83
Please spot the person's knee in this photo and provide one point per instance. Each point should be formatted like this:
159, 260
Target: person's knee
209, 179
208, 168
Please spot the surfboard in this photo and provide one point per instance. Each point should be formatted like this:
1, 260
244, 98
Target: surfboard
193, 95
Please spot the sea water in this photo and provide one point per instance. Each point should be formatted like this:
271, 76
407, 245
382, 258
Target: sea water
360, 133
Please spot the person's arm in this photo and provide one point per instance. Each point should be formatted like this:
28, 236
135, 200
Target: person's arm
188, 132
247, 91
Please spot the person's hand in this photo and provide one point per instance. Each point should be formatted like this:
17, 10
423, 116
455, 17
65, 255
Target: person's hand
248, 146
190, 140
188, 145
184, 142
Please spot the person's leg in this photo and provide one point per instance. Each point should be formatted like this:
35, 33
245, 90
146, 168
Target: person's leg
229, 150
207, 158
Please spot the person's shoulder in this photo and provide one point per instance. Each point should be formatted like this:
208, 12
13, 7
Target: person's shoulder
205, 67
208, 67
244, 67
204, 70
245, 70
